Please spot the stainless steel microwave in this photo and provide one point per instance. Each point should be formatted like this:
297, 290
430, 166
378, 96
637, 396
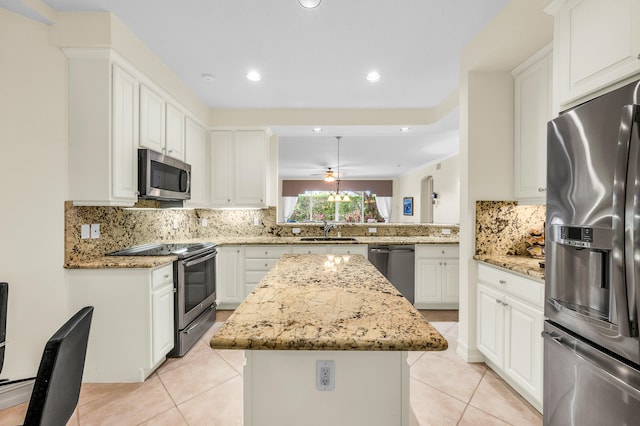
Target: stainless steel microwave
162, 178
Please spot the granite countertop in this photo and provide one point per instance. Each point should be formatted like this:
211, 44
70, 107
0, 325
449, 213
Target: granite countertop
522, 264
325, 302
105, 262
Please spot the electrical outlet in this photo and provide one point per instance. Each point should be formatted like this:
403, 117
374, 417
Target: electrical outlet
446, 231
256, 221
176, 224
325, 375
373, 230
295, 231
95, 230
204, 223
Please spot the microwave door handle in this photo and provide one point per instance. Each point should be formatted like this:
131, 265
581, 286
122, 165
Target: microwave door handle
188, 172
199, 260
629, 131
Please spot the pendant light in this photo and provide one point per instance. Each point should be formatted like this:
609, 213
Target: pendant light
336, 197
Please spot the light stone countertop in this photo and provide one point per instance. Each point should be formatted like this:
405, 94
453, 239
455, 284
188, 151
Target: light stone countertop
525, 265
310, 302
106, 262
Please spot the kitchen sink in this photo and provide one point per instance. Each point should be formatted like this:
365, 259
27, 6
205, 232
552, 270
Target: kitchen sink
327, 239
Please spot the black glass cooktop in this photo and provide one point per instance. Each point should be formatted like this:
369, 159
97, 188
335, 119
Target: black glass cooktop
180, 250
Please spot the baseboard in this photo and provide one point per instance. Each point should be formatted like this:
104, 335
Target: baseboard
469, 355
15, 392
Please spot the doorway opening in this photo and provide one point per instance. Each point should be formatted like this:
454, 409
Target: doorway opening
426, 203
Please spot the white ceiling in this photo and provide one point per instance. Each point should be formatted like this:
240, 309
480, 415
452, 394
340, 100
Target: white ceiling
316, 58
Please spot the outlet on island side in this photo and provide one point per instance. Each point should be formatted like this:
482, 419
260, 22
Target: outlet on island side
325, 375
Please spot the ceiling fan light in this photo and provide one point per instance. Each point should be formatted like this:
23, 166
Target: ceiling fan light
329, 178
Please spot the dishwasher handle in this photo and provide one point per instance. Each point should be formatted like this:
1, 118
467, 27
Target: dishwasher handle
379, 250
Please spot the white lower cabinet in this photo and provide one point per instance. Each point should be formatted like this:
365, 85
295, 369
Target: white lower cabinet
510, 323
349, 249
132, 326
229, 276
437, 276
310, 249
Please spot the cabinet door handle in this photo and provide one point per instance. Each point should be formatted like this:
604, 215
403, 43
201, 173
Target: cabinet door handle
265, 265
503, 282
498, 301
542, 189
166, 277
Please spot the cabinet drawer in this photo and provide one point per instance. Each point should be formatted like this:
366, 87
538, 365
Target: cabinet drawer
265, 252
437, 251
259, 264
254, 277
309, 249
161, 276
524, 288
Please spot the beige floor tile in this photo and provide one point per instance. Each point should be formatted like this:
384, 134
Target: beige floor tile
456, 379
90, 392
495, 397
474, 417
127, 406
452, 332
235, 358
172, 417
206, 337
221, 405
413, 356
192, 378
198, 351
443, 326
13, 416
439, 315
432, 407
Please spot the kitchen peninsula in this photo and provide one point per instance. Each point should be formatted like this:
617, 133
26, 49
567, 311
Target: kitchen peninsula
311, 311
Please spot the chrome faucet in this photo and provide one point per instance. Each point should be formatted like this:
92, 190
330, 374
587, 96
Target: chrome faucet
327, 227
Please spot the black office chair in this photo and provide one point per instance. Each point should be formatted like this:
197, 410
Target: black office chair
57, 386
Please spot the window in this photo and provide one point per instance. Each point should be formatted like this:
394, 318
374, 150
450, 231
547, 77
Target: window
313, 206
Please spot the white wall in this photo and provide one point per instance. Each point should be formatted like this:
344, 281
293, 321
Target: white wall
33, 172
486, 133
446, 182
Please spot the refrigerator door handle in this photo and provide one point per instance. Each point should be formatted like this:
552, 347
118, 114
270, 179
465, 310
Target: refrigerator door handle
624, 240
629, 130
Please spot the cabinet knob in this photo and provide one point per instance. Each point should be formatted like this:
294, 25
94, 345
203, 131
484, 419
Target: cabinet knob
228, 200
166, 277
498, 301
442, 251
638, 56
265, 265
542, 189
503, 282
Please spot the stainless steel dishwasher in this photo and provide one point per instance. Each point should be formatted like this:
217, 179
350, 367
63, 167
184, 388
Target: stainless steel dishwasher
396, 262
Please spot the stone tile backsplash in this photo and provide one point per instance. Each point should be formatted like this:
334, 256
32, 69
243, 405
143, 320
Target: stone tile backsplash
502, 227
125, 227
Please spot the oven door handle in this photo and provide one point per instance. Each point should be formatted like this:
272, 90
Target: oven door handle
201, 259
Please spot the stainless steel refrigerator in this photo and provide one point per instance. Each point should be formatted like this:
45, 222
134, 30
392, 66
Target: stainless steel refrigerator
592, 278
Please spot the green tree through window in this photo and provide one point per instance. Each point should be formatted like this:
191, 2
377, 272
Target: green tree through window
313, 206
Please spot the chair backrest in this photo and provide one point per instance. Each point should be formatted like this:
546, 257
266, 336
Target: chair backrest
4, 298
57, 387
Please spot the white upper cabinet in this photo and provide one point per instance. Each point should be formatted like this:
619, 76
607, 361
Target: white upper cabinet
175, 133
238, 168
533, 94
152, 120
161, 125
596, 44
103, 129
197, 154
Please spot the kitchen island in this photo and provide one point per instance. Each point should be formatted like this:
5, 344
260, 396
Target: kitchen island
333, 311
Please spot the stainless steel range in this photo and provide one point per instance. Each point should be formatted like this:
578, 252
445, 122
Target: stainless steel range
194, 281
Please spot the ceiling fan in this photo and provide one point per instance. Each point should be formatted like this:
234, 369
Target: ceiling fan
329, 175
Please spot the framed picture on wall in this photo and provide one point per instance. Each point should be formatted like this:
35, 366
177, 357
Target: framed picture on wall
407, 206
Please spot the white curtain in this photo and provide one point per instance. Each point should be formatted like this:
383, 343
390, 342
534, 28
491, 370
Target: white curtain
384, 207
288, 206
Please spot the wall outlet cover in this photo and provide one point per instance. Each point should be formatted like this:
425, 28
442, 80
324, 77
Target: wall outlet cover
446, 231
95, 230
373, 230
204, 223
295, 231
85, 231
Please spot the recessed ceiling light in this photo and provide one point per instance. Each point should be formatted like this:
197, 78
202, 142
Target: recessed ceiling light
254, 75
207, 77
373, 76
404, 129
309, 4
317, 129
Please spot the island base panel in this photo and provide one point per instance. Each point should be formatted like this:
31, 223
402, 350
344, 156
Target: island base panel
371, 388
